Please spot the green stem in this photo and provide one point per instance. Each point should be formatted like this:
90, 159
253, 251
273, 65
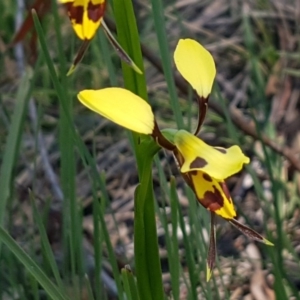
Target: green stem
148, 268
147, 260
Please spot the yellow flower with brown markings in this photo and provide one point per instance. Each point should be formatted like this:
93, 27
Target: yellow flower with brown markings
85, 16
201, 163
204, 168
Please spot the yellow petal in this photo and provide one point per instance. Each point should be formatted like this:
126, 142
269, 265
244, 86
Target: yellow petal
85, 16
208, 272
218, 162
196, 65
212, 194
120, 106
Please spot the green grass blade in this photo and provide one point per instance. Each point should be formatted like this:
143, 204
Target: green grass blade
71, 223
141, 269
88, 287
159, 22
133, 286
259, 93
106, 56
147, 260
128, 37
175, 262
51, 289
148, 269
188, 247
151, 242
129, 284
110, 250
45, 243
171, 239
13, 142
88, 161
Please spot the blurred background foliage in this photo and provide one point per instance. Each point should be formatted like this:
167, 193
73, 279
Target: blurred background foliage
73, 214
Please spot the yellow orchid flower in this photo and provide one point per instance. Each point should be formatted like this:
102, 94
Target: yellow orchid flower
203, 167
85, 16
208, 159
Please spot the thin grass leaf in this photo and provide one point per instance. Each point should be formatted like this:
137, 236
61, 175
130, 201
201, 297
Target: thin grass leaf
292, 72
159, 22
126, 284
88, 287
13, 142
96, 184
211, 256
128, 38
45, 243
133, 286
52, 290
129, 284
151, 245
71, 215
259, 93
97, 240
175, 257
147, 261
107, 57
88, 161
34, 287
188, 247
171, 239
141, 269
111, 253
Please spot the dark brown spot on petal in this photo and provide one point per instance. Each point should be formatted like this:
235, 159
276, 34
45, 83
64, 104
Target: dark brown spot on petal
193, 173
222, 150
95, 11
199, 162
75, 12
225, 191
212, 200
207, 177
